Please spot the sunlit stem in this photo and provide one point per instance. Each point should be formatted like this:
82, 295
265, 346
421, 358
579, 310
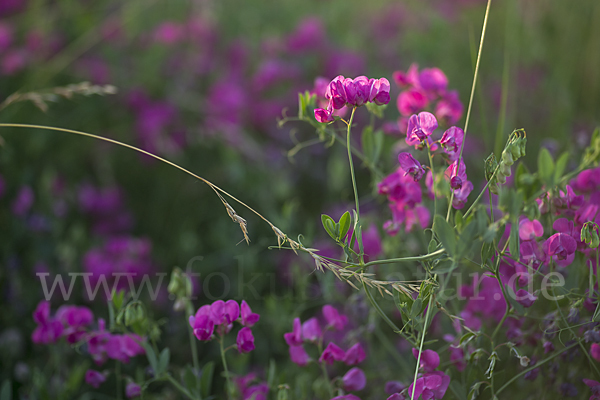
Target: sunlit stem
357, 227
193, 345
228, 379
412, 395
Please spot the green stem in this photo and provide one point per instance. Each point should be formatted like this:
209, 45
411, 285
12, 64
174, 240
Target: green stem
462, 147
228, 379
194, 346
433, 179
119, 380
406, 259
537, 365
412, 396
178, 386
357, 227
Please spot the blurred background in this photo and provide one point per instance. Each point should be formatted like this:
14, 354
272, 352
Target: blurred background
203, 84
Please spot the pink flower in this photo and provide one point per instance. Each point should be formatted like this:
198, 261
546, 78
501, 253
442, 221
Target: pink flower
529, 230
433, 79
75, 319
411, 166
420, 127
299, 356
354, 380
452, 141
460, 195
94, 378
323, 116
595, 351
411, 101
449, 109
456, 175
311, 330
410, 78
48, 329
132, 390
334, 318
355, 355
245, 340
560, 247
203, 326
524, 298
248, 317
294, 338
431, 386
332, 353
430, 360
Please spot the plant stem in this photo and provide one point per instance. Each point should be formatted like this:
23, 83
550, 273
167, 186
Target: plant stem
194, 346
357, 228
228, 379
379, 310
537, 365
179, 387
433, 179
462, 147
406, 259
412, 396
119, 382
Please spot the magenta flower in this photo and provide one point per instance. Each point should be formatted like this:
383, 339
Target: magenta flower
449, 109
431, 386
411, 166
217, 312
323, 116
245, 340
332, 353
334, 318
203, 326
75, 319
123, 347
48, 329
396, 396
348, 396
456, 175
411, 101
561, 248
595, 386
430, 360
524, 298
354, 380
94, 378
232, 310
595, 351
294, 338
460, 195
355, 355
311, 330
248, 317
529, 230
420, 127
452, 141
410, 78
23, 202
299, 356
433, 80
132, 390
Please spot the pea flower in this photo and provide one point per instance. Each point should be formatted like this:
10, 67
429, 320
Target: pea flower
456, 175
430, 360
529, 230
245, 340
132, 390
334, 318
524, 298
561, 247
48, 329
355, 355
203, 326
431, 386
354, 380
433, 79
595, 386
94, 378
411, 166
311, 330
294, 338
420, 127
299, 356
248, 317
411, 101
332, 353
452, 141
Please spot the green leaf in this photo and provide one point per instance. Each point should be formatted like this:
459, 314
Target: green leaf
546, 166
445, 267
151, 356
475, 389
207, 378
189, 379
561, 164
272, 372
445, 233
163, 362
344, 225
416, 308
368, 142
329, 225
6, 391
379, 137
513, 243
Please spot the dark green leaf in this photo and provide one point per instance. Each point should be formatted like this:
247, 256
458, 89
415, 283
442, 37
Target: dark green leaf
206, 378
561, 164
445, 234
416, 308
344, 225
163, 361
151, 356
546, 166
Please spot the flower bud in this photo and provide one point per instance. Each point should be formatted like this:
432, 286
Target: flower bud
507, 157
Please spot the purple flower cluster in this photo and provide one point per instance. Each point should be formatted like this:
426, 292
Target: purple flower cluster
310, 331
251, 388
219, 316
423, 89
430, 384
346, 92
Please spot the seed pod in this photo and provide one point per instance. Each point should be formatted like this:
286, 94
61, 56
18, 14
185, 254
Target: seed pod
504, 169
507, 157
501, 178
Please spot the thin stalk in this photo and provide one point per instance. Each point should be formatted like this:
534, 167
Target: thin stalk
462, 147
379, 310
412, 396
433, 179
406, 259
194, 347
224, 360
357, 228
178, 386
